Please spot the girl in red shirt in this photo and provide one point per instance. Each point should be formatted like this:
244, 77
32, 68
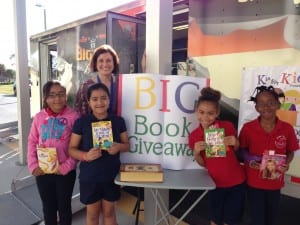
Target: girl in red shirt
226, 202
266, 132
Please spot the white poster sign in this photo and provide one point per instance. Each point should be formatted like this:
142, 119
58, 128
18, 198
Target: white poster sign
287, 80
159, 114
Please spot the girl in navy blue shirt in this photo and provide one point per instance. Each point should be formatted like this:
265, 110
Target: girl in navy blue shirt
98, 167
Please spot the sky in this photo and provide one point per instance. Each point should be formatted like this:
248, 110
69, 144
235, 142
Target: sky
58, 12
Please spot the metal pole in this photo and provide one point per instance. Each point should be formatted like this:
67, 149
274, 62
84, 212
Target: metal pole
158, 61
45, 19
23, 98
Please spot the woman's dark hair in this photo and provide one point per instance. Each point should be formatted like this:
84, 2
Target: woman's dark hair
46, 90
101, 50
94, 87
269, 89
209, 94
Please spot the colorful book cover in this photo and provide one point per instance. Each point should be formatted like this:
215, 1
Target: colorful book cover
102, 134
214, 140
271, 165
47, 158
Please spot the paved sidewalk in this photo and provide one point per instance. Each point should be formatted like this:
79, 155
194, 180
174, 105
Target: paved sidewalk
19, 200
12, 175
18, 193
10, 168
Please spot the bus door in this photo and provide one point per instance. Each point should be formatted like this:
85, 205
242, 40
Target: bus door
127, 35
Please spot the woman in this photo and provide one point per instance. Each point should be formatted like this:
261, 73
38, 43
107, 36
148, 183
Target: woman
105, 64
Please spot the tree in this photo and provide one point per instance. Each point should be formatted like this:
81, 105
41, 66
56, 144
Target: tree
10, 74
2, 68
2, 71
6, 75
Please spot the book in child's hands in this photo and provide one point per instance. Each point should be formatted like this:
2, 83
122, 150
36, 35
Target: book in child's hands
141, 173
102, 134
47, 158
214, 141
271, 165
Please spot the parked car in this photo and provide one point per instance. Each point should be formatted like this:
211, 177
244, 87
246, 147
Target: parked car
15, 87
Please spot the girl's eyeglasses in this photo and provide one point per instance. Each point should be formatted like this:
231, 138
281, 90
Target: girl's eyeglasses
59, 95
268, 104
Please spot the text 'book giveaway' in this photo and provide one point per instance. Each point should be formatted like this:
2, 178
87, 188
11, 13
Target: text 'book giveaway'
141, 173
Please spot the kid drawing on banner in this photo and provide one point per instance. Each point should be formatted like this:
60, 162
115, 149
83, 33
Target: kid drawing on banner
291, 100
288, 110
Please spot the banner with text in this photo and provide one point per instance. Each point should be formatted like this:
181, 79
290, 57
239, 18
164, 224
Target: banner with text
286, 79
159, 115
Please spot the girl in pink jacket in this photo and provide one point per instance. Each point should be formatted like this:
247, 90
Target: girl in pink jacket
51, 129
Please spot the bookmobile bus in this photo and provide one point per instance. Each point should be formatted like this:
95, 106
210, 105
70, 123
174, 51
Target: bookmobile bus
218, 39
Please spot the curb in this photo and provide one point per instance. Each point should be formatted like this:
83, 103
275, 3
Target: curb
7, 130
8, 125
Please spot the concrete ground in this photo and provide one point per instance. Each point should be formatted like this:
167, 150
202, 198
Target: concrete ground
18, 193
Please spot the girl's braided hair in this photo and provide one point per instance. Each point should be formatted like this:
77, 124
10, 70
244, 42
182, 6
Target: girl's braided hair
270, 89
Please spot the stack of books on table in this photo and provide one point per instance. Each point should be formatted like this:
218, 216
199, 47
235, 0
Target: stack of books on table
141, 173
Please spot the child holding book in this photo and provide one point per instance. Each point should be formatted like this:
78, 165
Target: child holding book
51, 129
226, 202
266, 132
99, 166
